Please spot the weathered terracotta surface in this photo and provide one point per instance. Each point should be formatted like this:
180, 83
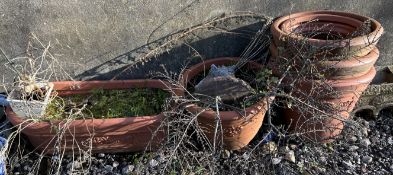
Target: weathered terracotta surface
287, 31
317, 127
332, 89
104, 135
342, 95
335, 52
344, 69
379, 95
239, 128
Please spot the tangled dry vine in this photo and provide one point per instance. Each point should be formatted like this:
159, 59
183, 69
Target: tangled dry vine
187, 147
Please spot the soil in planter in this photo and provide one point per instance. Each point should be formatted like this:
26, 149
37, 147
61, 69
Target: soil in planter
108, 104
259, 80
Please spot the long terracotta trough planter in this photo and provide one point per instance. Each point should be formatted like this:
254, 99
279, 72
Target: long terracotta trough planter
126, 134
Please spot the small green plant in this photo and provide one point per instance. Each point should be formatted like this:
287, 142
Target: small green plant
265, 80
108, 104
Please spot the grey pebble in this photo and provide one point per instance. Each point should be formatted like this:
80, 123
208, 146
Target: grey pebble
293, 146
109, 168
153, 163
115, 164
353, 139
365, 131
323, 159
290, 156
127, 169
353, 148
77, 165
276, 160
226, 154
348, 165
365, 142
367, 159
390, 140
386, 127
26, 168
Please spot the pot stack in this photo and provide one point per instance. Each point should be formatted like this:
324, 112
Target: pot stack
331, 56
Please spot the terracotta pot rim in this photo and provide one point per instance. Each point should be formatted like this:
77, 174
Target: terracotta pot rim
371, 57
319, 23
66, 86
376, 26
338, 28
108, 84
288, 26
224, 115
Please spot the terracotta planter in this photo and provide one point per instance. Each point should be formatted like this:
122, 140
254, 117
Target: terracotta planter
348, 68
289, 31
239, 128
125, 134
338, 100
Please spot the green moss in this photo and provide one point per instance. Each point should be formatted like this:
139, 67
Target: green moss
108, 104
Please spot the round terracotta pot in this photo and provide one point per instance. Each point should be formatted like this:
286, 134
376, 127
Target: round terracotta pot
338, 101
239, 128
335, 70
125, 134
289, 30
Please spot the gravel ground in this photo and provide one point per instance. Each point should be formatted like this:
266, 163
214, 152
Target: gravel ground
365, 147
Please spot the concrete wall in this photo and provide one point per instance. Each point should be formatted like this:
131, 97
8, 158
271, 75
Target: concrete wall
87, 36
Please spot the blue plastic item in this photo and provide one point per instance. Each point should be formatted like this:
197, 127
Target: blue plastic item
3, 141
269, 137
216, 71
3, 100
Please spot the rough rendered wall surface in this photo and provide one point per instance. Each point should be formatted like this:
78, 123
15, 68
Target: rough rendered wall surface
86, 34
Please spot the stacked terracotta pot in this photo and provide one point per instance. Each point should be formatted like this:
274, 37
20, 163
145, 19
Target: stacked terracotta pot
332, 56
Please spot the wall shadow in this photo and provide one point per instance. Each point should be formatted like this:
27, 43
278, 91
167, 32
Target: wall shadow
235, 36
